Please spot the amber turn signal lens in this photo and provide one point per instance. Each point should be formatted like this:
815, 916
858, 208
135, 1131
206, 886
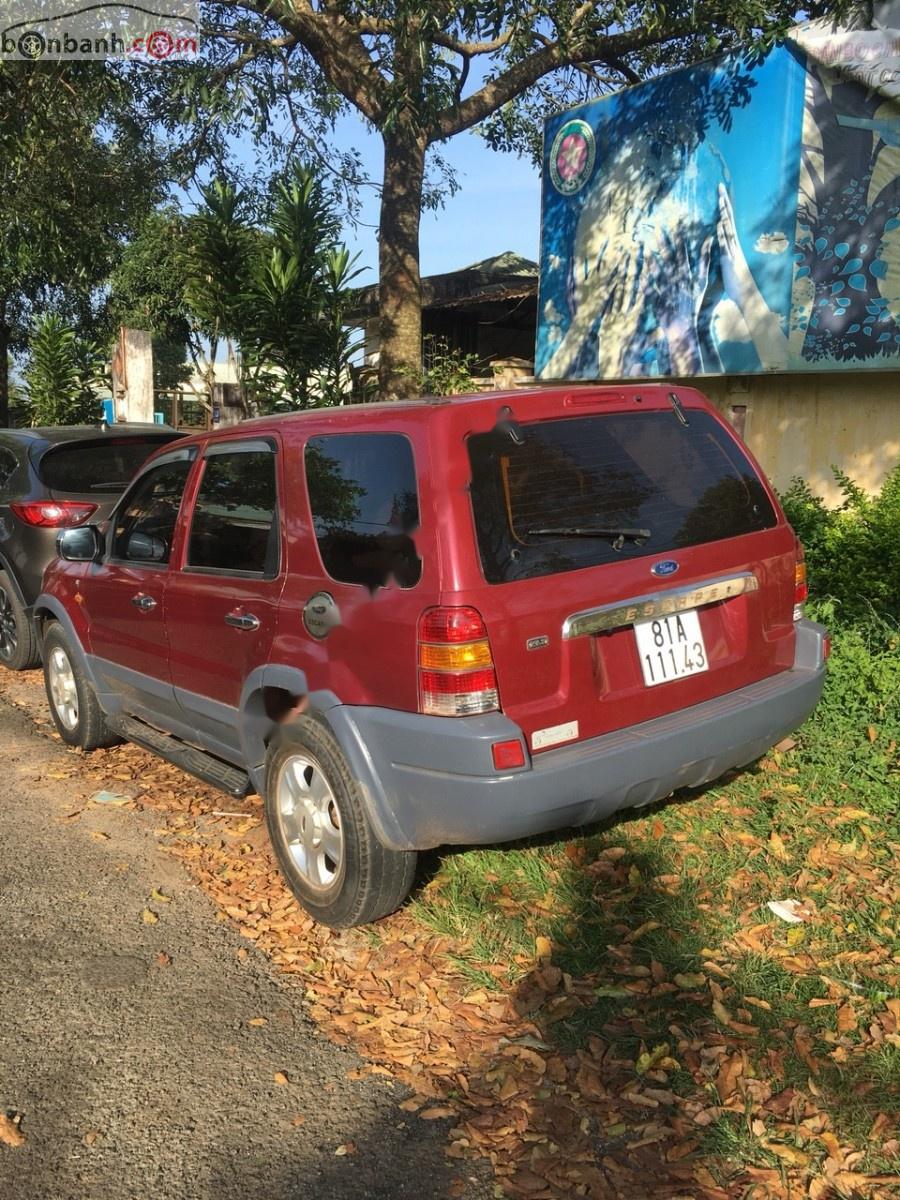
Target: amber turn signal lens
801, 590
463, 656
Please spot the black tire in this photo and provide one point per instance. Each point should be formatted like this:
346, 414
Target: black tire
19, 649
80, 721
369, 880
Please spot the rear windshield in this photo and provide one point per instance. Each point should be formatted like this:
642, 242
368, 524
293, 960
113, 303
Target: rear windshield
578, 492
106, 466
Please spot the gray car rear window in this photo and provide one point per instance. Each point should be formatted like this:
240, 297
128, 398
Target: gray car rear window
101, 467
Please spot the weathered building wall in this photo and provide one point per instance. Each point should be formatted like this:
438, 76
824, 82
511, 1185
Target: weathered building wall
801, 424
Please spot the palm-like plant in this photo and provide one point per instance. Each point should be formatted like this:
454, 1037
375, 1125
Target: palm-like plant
62, 375
341, 344
217, 258
281, 293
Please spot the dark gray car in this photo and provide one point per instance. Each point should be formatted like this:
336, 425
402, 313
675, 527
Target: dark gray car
53, 479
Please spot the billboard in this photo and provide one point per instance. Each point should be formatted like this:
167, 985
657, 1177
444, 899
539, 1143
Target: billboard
738, 216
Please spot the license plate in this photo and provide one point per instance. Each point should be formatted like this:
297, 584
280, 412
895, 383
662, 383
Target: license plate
670, 647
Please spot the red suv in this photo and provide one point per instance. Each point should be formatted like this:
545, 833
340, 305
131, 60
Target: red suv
446, 621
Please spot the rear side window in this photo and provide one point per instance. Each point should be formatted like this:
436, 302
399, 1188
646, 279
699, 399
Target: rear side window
365, 507
538, 505
106, 466
8, 464
234, 527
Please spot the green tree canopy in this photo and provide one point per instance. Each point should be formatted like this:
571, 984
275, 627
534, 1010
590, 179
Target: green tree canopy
80, 170
147, 291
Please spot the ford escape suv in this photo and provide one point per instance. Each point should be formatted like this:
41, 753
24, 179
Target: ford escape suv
53, 479
453, 621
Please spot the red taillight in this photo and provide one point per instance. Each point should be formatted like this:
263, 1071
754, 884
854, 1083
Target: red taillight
456, 669
53, 514
801, 590
451, 625
826, 647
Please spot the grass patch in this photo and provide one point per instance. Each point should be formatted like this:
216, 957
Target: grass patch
661, 916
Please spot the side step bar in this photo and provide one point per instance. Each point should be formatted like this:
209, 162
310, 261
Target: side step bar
196, 762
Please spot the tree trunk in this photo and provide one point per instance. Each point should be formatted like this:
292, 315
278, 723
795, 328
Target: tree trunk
400, 288
4, 376
5, 332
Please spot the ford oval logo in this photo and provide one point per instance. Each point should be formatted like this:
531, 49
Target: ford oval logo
668, 566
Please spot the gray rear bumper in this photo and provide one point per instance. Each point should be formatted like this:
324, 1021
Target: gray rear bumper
431, 781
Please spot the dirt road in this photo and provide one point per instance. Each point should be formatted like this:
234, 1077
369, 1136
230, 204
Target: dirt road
125, 1038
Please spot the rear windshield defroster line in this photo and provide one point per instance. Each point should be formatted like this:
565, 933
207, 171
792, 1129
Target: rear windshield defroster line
684, 484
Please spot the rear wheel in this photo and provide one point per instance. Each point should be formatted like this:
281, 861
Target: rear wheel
19, 650
325, 844
73, 702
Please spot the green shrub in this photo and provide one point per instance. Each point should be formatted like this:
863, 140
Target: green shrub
62, 375
852, 551
855, 732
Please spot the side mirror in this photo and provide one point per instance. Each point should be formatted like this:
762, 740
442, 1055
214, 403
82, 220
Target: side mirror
144, 547
84, 543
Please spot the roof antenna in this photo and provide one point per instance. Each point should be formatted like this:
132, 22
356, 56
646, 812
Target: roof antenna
679, 411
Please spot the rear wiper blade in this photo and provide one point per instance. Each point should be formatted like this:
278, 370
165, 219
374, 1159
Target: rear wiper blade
619, 536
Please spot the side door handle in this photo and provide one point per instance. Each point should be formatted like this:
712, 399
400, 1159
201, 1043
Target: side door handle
144, 602
242, 620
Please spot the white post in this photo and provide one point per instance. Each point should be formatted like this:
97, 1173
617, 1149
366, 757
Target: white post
132, 372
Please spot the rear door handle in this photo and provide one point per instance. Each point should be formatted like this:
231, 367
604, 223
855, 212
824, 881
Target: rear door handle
143, 602
242, 620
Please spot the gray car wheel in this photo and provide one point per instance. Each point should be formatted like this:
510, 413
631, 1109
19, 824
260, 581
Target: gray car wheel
19, 650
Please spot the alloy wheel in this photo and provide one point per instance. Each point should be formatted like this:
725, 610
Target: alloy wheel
310, 822
9, 633
61, 681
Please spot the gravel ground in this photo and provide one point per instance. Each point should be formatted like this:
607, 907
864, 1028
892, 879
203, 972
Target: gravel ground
125, 1045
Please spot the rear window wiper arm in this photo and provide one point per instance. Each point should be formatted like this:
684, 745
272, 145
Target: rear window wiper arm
619, 536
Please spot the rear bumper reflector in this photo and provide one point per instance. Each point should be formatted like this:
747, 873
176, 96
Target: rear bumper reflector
658, 604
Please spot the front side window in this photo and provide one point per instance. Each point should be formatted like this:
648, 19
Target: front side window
145, 522
588, 490
234, 528
365, 507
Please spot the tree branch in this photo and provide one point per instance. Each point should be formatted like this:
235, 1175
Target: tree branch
548, 57
333, 43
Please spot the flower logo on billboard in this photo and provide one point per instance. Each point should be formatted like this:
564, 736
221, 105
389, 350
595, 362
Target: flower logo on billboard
572, 157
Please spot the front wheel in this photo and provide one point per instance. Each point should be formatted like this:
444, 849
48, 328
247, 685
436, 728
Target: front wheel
73, 703
325, 844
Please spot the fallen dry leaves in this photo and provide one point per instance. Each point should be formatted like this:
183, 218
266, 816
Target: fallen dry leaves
586, 1122
10, 1133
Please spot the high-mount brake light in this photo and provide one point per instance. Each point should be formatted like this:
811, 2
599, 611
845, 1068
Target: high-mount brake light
456, 667
53, 514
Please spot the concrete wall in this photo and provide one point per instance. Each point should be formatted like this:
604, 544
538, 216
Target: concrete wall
801, 424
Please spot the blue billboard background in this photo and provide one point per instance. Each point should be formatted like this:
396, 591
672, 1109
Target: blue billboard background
738, 216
